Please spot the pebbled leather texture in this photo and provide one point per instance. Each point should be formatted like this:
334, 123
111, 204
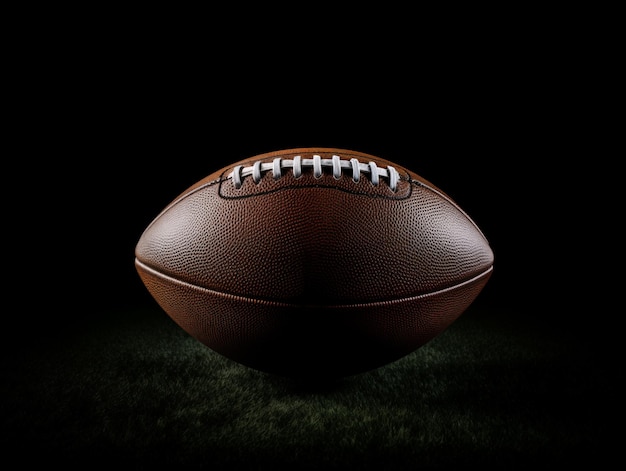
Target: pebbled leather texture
319, 276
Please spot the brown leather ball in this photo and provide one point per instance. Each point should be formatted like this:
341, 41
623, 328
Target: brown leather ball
313, 262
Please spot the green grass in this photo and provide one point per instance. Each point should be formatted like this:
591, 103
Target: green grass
136, 389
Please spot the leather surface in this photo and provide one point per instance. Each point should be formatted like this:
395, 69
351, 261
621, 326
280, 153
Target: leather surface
293, 264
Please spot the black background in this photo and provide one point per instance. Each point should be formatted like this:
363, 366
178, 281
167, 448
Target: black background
112, 123
112, 120
111, 161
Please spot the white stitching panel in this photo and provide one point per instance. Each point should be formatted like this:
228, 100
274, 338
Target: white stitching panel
276, 168
336, 167
317, 164
256, 171
374, 173
356, 172
297, 165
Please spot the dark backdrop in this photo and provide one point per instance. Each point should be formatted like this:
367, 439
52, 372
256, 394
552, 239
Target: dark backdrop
109, 134
112, 116
109, 129
118, 160
112, 125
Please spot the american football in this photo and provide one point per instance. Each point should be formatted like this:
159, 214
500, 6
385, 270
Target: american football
314, 262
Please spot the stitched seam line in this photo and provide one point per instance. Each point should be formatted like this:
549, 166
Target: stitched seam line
298, 164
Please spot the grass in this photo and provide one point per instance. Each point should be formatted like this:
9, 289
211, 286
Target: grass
134, 388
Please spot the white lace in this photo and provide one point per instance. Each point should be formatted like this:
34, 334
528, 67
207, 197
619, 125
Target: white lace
298, 163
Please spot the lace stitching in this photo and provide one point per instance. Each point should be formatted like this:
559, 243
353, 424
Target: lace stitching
297, 164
